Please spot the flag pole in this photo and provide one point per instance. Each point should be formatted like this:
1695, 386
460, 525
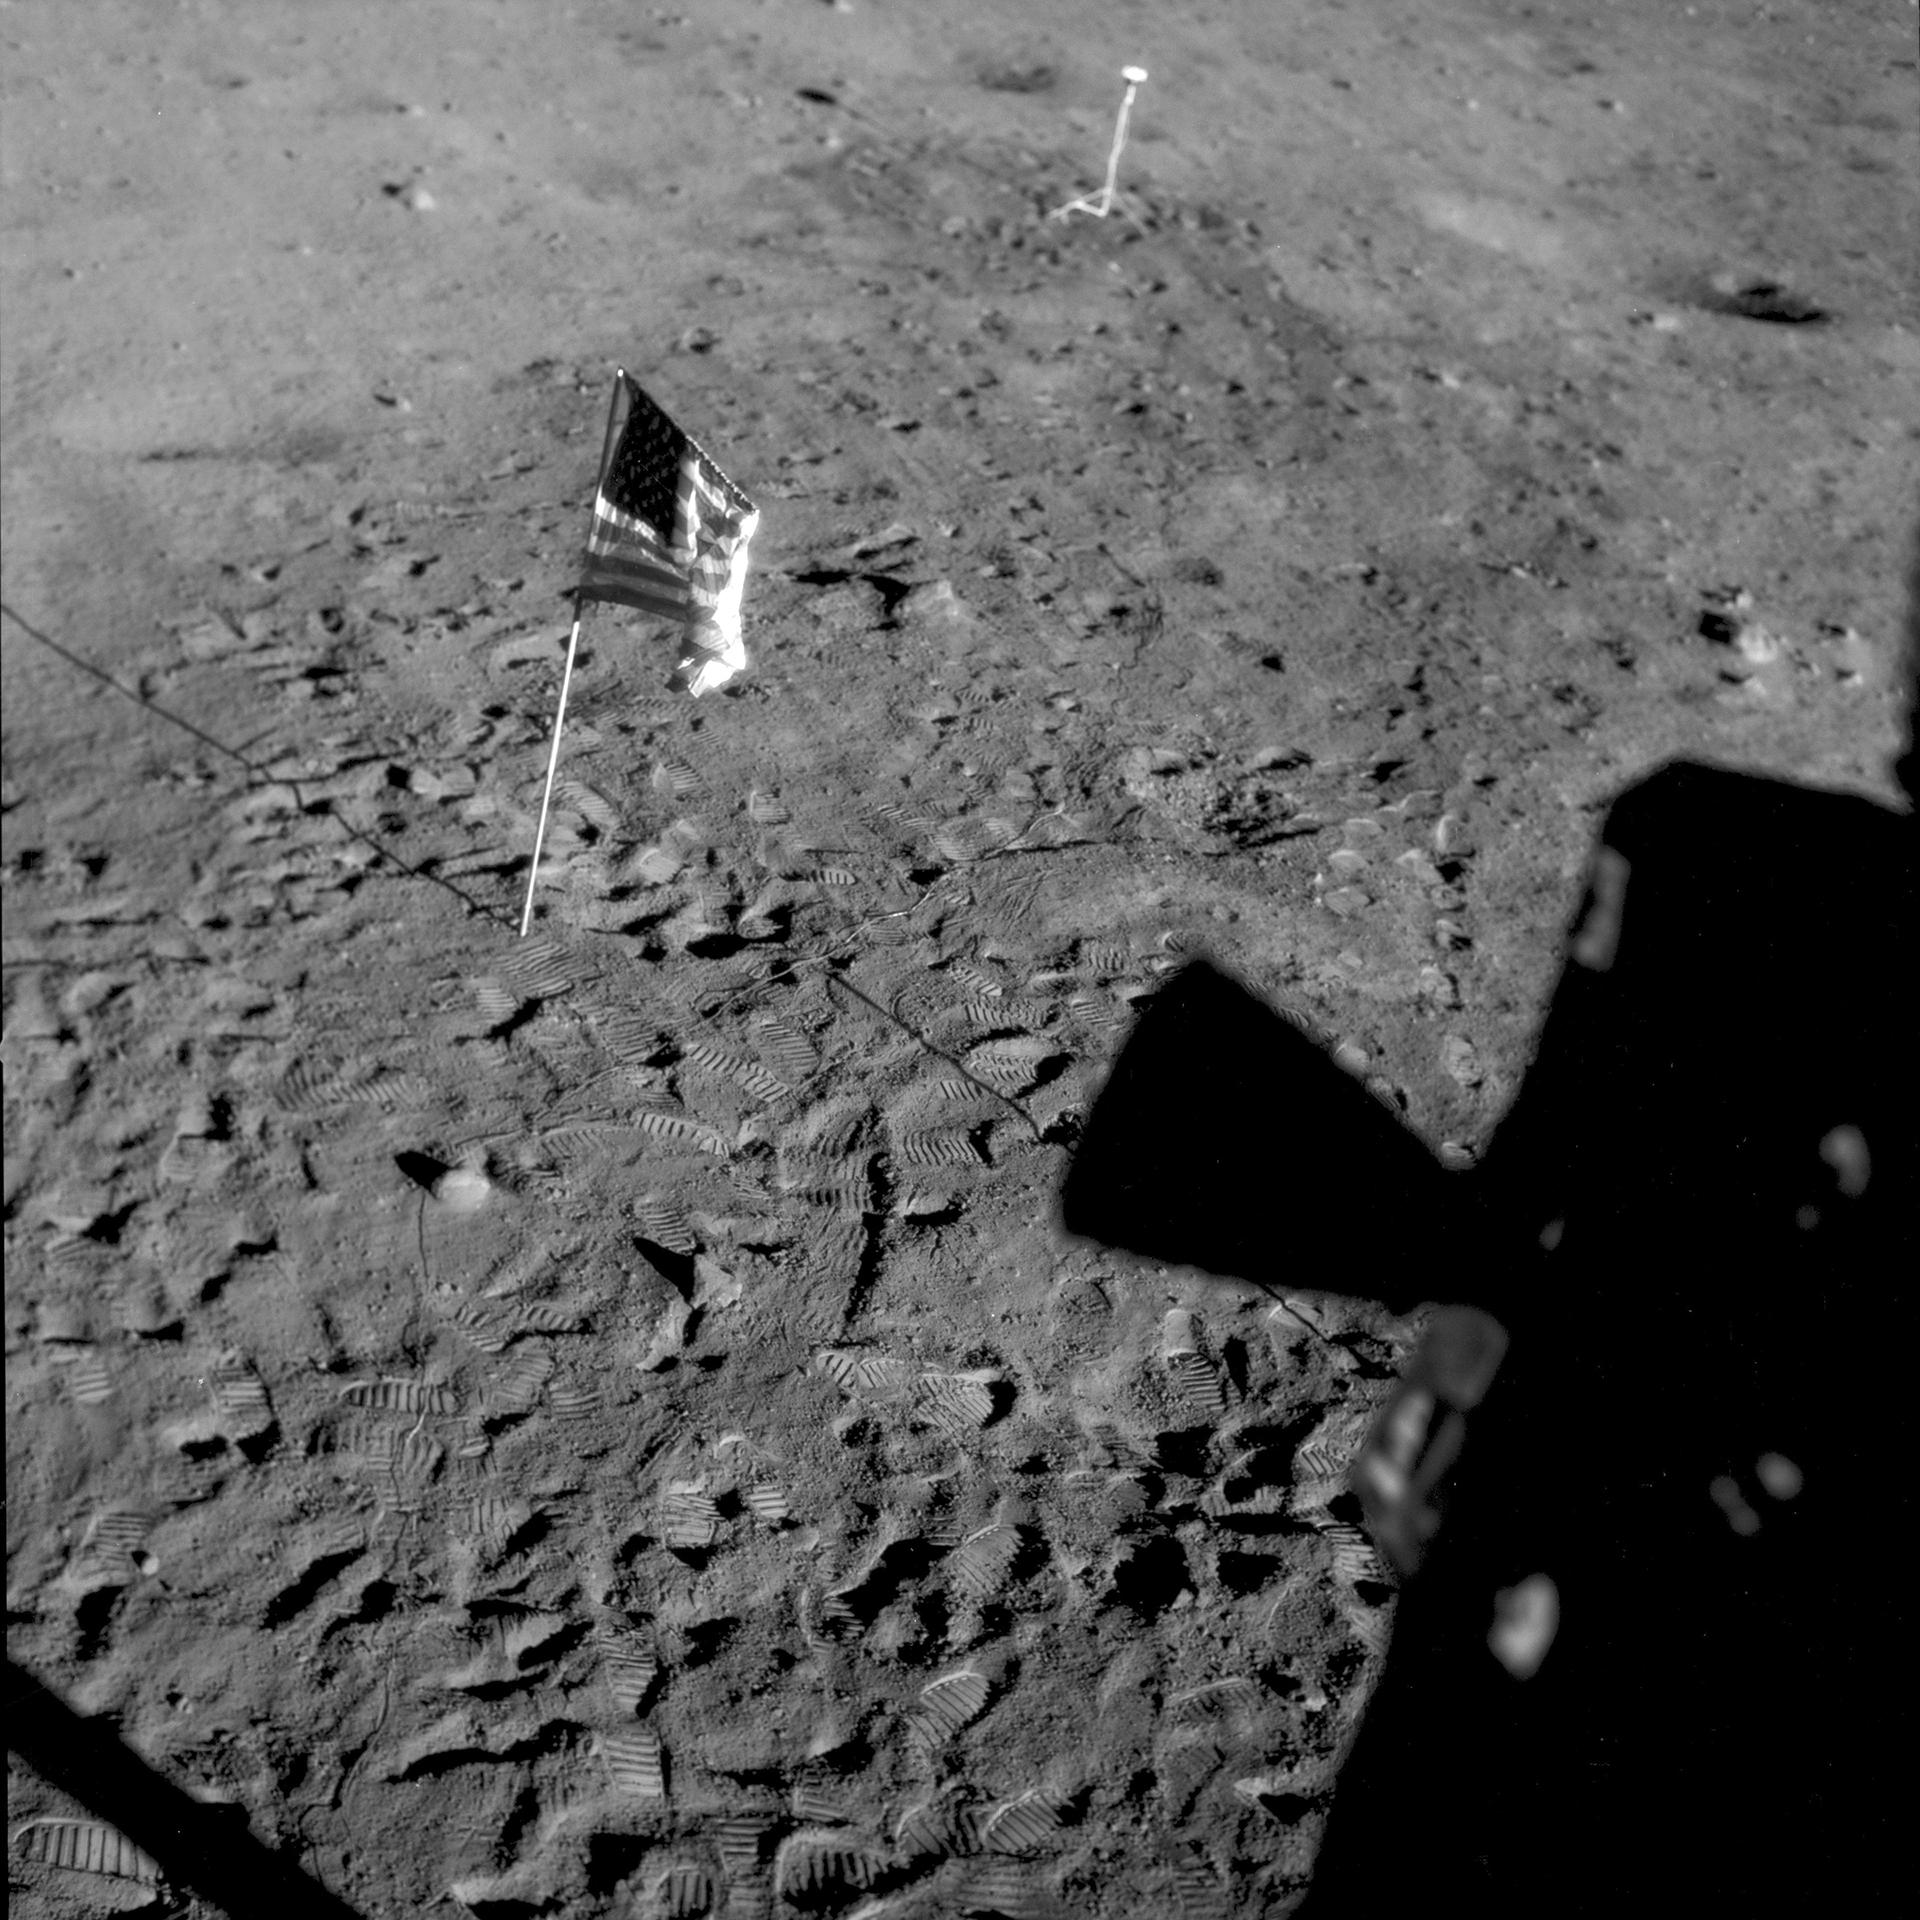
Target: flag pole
553, 762
566, 678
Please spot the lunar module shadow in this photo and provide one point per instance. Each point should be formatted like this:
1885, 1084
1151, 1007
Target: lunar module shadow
196, 1848
1651, 1642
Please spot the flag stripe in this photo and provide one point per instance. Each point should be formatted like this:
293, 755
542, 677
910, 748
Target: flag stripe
607, 537
638, 598
638, 573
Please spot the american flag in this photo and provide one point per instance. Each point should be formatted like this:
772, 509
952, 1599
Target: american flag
669, 538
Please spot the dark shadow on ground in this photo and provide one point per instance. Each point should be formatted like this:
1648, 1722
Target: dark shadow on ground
200, 1848
1696, 1224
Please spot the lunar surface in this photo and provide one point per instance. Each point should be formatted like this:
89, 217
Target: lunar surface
608, 1423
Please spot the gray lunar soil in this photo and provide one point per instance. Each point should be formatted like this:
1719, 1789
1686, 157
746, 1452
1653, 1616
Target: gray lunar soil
607, 1424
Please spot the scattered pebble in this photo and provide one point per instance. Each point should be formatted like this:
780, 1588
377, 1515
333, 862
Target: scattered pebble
1767, 300
935, 601
462, 1189
1526, 1619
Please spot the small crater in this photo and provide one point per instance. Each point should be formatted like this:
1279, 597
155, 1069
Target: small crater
1182, 1451
611, 1859
1233, 1357
1766, 300
705, 1640
1245, 1573
1286, 1807
91, 1619
1012, 77
107, 1229
1151, 1578
1282, 1685
1345, 1507
931, 1611
301, 1594
377, 1600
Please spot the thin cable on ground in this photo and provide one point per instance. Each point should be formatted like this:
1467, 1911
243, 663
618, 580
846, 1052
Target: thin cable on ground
253, 767
843, 942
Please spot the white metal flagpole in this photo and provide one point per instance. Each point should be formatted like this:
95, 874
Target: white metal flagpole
553, 761
573, 641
